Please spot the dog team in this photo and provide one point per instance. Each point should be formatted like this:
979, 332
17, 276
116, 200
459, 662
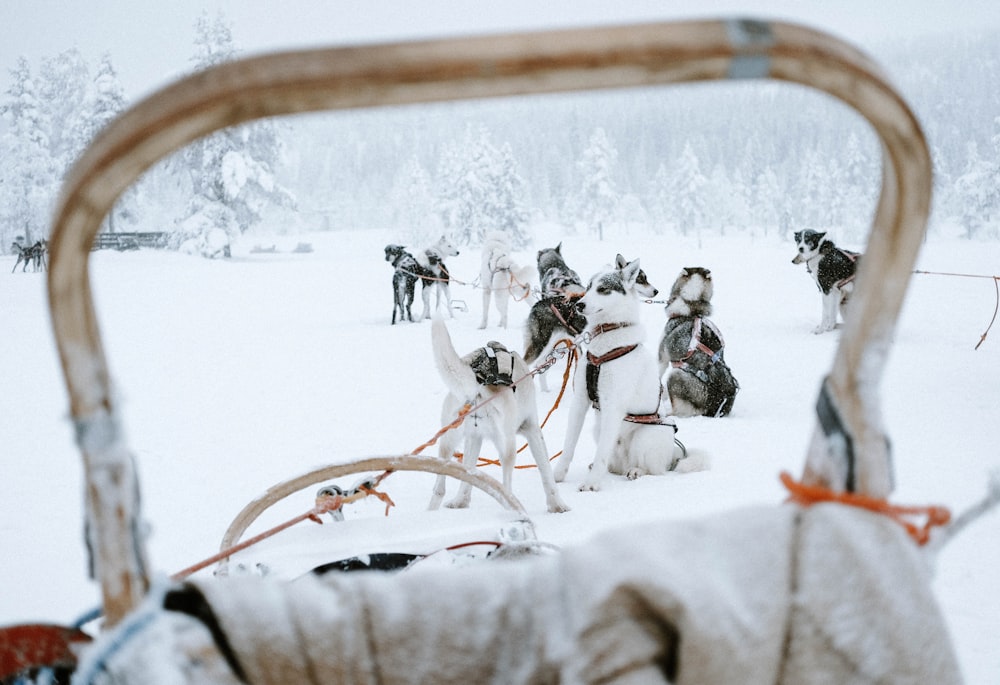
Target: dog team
618, 377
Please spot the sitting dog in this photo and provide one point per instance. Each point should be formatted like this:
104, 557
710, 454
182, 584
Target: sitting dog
404, 281
556, 317
700, 383
502, 279
511, 411
434, 275
833, 269
620, 382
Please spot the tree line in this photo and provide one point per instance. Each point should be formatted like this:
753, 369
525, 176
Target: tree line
749, 157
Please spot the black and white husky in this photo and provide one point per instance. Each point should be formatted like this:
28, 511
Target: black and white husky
700, 382
502, 279
511, 411
620, 381
434, 275
406, 271
833, 269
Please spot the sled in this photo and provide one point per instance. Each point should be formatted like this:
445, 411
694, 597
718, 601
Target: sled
785, 594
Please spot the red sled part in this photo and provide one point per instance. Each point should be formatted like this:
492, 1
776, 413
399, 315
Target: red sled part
25, 648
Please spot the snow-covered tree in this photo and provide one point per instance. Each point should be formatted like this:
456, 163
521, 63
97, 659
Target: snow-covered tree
232, 172
64, 92
687, 188
978, 194
29, 176
412, 198
480, 190
599, 195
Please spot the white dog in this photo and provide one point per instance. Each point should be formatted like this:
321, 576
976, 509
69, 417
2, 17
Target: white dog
434, 274
622, 383
500, 277
511, 411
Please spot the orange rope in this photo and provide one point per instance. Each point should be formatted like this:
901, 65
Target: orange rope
996, 287
807, 495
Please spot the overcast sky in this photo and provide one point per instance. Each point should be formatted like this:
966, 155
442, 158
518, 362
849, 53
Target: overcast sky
151, 42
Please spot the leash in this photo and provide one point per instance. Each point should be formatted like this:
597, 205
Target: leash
324, 504
996, 286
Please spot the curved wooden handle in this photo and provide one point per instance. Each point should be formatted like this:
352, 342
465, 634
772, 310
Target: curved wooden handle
376, 75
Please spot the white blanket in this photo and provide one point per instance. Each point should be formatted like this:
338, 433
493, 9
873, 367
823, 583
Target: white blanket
828, 594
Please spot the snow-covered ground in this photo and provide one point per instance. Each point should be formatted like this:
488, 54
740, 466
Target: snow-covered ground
235, 375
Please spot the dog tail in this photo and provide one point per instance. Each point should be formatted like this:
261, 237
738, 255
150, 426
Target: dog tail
694, 460
455, 372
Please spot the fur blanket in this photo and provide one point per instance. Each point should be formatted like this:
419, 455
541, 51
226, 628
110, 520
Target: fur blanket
828, 594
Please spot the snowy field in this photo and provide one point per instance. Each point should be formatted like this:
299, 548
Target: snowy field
235, 375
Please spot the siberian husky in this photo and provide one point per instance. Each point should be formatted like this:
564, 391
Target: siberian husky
555, 318
554, 275
700, 382
620, 381
833, 268
511, 411
501, 278
434, 275
406, 271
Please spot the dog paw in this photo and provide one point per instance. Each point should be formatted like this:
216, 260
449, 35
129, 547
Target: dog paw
557, 506
632, 474
590, 486
458, 504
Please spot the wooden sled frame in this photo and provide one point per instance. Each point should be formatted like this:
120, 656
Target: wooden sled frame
848, 450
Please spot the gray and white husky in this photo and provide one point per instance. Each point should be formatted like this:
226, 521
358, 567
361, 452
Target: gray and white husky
832, 268
700, 382
620, 381
501, 278
434, 275
556, 318
511, 411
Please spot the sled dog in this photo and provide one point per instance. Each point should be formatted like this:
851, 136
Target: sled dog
483, 374
554, 275
434, 275
621, 383
833, 269
406, 271
554, 318
700, 382
33, 254
502, 279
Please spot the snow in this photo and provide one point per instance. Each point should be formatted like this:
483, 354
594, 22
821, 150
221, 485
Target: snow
237, 374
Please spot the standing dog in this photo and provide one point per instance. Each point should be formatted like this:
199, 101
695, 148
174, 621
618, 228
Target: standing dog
554, 275
501, 278
621, 383
511, 411
404, 281
700, 383
833, 269
34, 255
434, 275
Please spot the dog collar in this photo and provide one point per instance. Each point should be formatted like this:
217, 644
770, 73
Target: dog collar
607, 328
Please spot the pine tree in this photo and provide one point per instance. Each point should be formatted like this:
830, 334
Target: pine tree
29, 175
480, 190
232, 172
599, 194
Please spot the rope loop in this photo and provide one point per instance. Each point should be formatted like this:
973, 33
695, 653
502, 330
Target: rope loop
807, 495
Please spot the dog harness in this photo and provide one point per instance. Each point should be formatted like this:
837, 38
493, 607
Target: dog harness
593, 371
493, 365
696, 345
562, 319
852, 256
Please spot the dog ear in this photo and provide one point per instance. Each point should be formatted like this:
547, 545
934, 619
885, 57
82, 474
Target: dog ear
559, 247
619, 261
684, 273
630, 272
